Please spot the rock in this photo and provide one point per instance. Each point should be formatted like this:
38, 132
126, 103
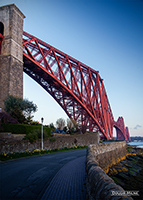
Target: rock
130, 173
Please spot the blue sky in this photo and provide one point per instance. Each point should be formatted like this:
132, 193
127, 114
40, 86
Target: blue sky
105, 35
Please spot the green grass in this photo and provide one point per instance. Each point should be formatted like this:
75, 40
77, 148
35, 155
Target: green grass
129, 149
15, 155
116, 180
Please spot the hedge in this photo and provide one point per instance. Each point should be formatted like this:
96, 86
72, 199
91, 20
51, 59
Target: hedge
23, 128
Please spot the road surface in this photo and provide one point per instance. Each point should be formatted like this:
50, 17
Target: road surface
44, 177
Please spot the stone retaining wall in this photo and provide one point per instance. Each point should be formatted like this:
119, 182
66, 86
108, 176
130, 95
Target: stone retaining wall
99, 157
59, 143
107, 154
10, 136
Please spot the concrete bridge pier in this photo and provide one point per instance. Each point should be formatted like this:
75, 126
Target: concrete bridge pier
11, 57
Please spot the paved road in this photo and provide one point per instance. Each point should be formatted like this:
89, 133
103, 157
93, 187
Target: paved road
44, 177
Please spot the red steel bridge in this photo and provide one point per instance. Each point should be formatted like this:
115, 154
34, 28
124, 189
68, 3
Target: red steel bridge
77, 88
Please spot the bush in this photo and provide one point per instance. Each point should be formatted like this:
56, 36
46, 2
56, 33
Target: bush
129, 149
36, 134
52, 139
34, 123
6, 118
45, 134
32, 137
14, 128
24, 128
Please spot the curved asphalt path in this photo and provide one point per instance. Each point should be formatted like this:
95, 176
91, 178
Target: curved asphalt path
54, 176
69, 182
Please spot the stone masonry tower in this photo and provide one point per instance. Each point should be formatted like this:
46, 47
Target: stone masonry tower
11, 56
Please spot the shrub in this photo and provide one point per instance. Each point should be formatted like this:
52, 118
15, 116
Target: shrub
129, 149
45, 134
32, 137
34, 123
36, 134
14, 128
6, 118
52, 139
24, 128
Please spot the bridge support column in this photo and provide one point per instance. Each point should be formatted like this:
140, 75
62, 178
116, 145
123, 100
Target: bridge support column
11, 57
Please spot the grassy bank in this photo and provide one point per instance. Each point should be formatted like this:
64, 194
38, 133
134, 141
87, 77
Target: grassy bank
15, 155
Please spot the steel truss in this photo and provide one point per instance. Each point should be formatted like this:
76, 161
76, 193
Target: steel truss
77, 88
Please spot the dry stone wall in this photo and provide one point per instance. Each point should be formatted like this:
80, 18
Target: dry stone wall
107, 154
59, 143
99, 184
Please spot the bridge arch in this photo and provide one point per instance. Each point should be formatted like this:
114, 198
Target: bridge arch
69, 101
77, 88
119, 134
122, 132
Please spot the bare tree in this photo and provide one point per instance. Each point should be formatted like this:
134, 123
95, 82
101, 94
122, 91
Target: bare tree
60, 123
82, 129
69, 124
75, 124
72, 125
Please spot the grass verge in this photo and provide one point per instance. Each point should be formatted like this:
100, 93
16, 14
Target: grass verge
14, 155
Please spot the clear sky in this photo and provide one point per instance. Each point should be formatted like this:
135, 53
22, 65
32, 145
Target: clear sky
106, 35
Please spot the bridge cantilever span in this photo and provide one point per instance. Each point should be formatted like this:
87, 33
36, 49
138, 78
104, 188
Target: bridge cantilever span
77, 88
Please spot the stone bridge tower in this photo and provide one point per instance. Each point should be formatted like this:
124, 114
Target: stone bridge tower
11, 56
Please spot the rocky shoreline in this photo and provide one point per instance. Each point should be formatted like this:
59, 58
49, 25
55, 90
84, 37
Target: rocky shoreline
129, 172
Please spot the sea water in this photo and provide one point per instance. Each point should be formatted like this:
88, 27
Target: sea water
137, 144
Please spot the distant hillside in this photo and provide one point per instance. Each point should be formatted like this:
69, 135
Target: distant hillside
137, 138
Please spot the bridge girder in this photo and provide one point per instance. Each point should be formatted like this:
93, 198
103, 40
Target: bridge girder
77, 88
